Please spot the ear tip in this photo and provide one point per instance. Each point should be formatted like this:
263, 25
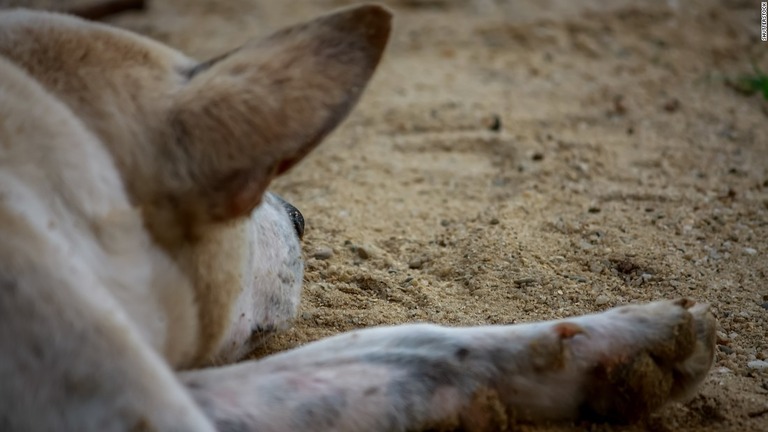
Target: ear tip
373, 10
373, 20
377, 11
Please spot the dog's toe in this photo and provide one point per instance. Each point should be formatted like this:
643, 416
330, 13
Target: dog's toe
646, 356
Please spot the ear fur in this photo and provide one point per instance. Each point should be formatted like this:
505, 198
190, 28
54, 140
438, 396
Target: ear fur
250, 115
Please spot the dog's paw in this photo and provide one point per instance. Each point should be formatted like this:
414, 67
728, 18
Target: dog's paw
619, 365
637, 358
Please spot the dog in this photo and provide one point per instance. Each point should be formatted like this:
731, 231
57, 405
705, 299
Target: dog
141, 256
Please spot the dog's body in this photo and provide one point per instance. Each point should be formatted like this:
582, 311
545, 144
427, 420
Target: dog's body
136, 239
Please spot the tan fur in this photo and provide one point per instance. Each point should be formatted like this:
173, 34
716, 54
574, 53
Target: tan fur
129, 173
77, 265
196, 142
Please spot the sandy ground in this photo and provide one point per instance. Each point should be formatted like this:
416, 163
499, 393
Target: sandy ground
535, 159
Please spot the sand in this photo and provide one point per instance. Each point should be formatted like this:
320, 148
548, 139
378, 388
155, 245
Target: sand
530, 160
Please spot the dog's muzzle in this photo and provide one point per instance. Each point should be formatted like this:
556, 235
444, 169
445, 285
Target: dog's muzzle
295, 215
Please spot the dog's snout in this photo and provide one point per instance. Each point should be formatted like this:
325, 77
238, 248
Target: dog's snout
295, 215
297, 218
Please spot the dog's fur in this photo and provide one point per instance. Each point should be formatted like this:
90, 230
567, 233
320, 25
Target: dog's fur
137, 239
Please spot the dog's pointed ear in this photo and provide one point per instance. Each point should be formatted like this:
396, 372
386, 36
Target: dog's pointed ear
248, 116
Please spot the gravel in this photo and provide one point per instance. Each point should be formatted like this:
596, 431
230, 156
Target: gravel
322, 253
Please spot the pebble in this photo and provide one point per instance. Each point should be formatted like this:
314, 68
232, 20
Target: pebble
725, 349
595, 267
362, 252
365, 251
602, 299
758, 365
578, 278
750, 251
671, 105
525, 281
764, 305
323, 253
417, 263
494, 123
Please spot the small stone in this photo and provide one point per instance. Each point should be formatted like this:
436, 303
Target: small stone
714, 254
323, 253
417, 263
578, 278
602, 299
764, 305
537, 156
671, 105
525, 281
493, 123
758, 364
364, 251
494, 221
725, 349
750, 251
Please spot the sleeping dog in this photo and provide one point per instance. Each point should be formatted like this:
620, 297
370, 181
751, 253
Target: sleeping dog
140, 253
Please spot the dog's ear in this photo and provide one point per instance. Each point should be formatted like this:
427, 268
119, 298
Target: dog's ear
247, 116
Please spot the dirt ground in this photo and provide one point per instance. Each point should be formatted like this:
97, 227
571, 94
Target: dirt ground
535, 159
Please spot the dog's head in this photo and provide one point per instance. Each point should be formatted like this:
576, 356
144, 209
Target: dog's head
197, 143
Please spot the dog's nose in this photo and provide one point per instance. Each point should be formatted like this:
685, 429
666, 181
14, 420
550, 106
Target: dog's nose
295, 215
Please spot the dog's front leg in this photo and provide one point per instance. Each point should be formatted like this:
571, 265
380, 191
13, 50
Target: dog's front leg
620, 364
